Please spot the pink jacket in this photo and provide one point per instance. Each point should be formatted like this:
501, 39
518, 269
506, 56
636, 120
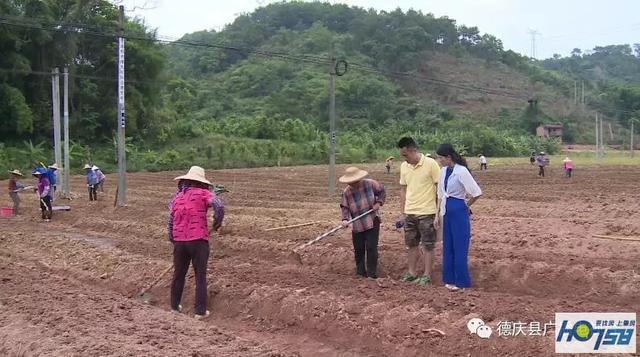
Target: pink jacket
189, 212
568, 164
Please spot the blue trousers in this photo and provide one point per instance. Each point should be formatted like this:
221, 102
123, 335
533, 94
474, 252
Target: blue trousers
455, 245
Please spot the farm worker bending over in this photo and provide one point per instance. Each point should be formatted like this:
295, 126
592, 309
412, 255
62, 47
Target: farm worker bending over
14, 188
99, 176
568, 167
92, 182
455, 183
483, 162
388, 163
419, 177
359, 197
189, 233
43, 190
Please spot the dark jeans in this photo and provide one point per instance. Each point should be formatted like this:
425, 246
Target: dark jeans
541, 171
93, 193
197, 253
367, 242
483, 167
45, 207
16, 202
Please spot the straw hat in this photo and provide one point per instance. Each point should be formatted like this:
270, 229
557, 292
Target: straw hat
54, 166
196, 173
87, 166
390, 158
94, 168
36, 173
352, 174
16, 172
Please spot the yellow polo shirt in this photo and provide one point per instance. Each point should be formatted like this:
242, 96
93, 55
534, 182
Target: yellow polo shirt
421, 181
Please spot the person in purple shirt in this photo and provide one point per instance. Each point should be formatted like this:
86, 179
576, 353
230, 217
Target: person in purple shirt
43, 190
541, 161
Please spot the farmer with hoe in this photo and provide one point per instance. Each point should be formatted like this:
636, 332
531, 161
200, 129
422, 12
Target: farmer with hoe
43, 190
455, 183
542, 161
360, 196
419, 177
92, 182
189, 233
14, 188
100, 177
388, 162
568, 167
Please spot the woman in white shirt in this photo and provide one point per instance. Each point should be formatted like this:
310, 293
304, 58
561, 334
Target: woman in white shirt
455, 183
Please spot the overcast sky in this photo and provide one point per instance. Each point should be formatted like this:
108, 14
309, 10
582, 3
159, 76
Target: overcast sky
562, 24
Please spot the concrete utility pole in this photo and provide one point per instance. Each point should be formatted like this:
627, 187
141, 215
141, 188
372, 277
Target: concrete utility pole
121, 198
582, 101
65, 169
332, 123
56, 116
631, 141
597, 139
601, 138
575, 92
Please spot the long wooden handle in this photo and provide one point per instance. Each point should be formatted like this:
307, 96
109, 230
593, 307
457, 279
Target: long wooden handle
633, 239
157, 280
292, 226
332, 231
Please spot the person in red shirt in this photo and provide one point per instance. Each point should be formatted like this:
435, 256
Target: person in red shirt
188, 231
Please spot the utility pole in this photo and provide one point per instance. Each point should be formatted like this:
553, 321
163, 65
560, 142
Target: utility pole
56, 116
575, 92
582, 101
332, 123
65, 169
631, 141
533, 34
597, 139
601, 138
121, 198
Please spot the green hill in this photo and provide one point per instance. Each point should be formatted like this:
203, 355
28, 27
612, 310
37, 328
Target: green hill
256, 93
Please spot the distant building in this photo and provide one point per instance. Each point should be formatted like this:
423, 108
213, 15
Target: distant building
549, 131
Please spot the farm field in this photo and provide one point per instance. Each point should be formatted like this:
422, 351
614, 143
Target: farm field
70, 286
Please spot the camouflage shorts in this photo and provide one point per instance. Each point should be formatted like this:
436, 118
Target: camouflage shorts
418, 229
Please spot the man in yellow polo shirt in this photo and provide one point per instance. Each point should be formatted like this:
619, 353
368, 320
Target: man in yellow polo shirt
419, 177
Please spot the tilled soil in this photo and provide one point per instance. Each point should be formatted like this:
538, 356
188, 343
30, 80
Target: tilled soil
71, 287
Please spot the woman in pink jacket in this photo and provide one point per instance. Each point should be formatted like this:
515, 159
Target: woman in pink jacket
189, 233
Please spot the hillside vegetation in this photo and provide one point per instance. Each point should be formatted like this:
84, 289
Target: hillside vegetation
256, 93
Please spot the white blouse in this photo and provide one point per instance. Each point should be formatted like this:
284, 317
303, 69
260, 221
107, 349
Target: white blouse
460, 184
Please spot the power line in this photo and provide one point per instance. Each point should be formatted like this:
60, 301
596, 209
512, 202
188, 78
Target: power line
269, 54
83, 29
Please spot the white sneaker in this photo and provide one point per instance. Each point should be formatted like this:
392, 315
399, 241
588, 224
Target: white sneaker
202, 317
177, 311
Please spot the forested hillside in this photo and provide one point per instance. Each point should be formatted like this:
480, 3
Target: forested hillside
256, 93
